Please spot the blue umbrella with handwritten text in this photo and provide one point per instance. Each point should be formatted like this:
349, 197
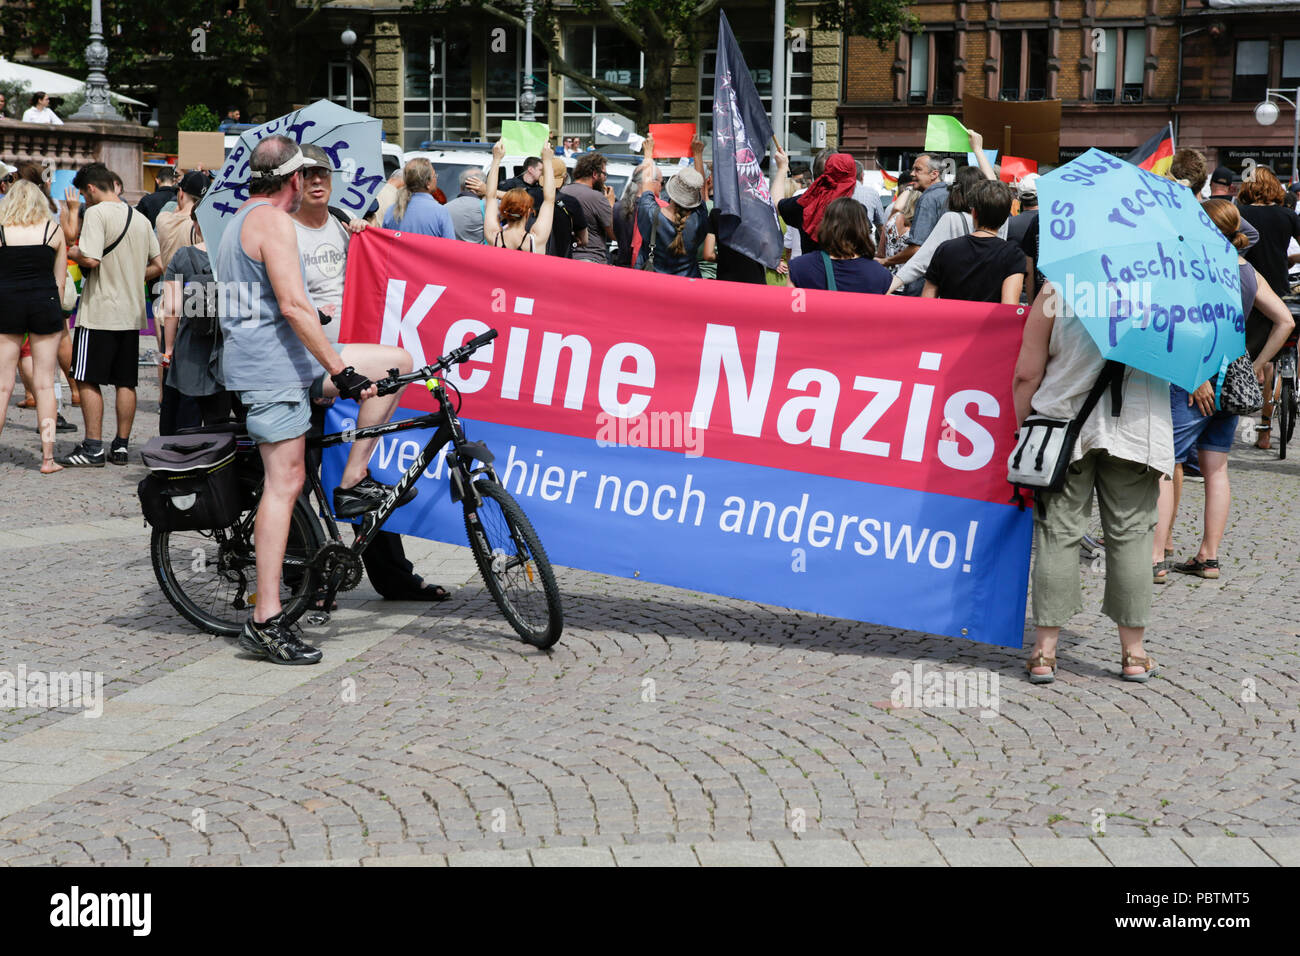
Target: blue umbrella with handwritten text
1144, 268
350, 139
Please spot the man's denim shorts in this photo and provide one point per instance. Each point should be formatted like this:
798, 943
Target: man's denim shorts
1206, 432
277, 414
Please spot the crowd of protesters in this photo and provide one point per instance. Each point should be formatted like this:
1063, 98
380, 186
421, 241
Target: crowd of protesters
974, 238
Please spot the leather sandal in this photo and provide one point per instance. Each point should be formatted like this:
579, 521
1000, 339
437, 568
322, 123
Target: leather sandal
1148, 665
1209, 568
1160, 572
1041, 660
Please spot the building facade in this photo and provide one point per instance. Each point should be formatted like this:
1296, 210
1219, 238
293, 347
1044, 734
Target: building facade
1121, 68
437, 76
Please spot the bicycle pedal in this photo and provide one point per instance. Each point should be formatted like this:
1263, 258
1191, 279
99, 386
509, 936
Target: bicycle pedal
316, 618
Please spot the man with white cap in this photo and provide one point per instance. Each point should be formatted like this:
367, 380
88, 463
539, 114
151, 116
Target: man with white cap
277, 357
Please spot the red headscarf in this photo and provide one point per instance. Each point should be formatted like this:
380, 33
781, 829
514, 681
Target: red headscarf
836, 182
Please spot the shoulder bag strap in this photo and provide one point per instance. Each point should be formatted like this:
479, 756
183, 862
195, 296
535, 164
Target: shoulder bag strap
654, 234
830, 272
1112, 377
113, 245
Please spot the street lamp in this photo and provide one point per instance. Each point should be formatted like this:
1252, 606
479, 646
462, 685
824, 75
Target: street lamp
528, 99
1266, 115
349, 39
97, 108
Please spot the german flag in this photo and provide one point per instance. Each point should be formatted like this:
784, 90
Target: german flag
1156, 154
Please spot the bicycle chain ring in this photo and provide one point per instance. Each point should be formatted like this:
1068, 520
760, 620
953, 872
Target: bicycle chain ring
337, 561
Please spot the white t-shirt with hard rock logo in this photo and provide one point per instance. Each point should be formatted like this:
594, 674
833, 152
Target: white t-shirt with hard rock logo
324, 253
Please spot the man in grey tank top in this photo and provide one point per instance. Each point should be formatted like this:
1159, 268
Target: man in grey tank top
277, 357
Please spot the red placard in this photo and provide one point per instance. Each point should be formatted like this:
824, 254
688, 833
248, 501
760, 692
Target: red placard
1017, 167
672, 140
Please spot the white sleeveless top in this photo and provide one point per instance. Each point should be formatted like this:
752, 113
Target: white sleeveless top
1143, 432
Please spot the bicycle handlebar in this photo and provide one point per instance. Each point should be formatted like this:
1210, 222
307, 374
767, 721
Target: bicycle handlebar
395, 382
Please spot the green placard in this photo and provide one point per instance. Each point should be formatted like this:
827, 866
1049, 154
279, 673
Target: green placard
524, 139
945, 134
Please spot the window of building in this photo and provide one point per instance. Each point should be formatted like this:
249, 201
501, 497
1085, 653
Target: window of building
1024, 65
1250, 75
436, 101
604, 53
348, 87
918, 69
945, 51
1290, 78
1135, 56
796, 138
505, 80
1120, 58
935, 49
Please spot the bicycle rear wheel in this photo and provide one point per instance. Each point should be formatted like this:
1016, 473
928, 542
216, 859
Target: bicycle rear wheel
208, 576
1285, 415
514, 565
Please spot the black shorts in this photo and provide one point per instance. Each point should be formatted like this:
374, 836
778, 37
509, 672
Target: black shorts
103, 357
31, 316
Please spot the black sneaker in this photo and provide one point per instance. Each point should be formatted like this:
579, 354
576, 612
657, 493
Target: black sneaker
277, 642
117, 456
61, 424
79, 457
366, 495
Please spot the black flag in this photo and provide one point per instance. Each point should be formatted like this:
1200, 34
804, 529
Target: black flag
741, 131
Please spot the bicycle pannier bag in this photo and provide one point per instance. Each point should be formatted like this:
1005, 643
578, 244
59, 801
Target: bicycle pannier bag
192, 483
1044, 446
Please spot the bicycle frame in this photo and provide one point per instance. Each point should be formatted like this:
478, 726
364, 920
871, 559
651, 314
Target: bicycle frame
448, 431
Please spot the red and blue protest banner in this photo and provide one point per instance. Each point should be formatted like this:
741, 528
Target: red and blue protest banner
832, 452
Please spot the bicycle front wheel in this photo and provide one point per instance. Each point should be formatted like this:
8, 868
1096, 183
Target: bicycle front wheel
514, 565
209, 576
1287, 410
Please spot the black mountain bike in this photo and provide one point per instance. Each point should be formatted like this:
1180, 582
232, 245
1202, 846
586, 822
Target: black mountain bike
208, 575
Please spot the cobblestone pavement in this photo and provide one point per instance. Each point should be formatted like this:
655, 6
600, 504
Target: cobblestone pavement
667, 727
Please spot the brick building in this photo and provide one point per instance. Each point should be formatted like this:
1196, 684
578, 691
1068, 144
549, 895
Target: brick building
1121, 68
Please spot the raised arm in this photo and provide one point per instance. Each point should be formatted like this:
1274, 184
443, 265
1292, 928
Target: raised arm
977, 147
541, 230
782, 171
697, 153
491, 212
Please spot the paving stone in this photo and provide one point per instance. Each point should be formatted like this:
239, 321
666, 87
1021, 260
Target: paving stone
818, 853
572, 856
980, 852
735, 853
1223, 851
902, 852
1284, 850
1057, 851
489, 858
650, 854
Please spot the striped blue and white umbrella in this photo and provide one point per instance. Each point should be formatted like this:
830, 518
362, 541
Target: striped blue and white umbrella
350, 139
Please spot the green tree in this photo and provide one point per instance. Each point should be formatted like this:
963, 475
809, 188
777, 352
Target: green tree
195, 50
660, 28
